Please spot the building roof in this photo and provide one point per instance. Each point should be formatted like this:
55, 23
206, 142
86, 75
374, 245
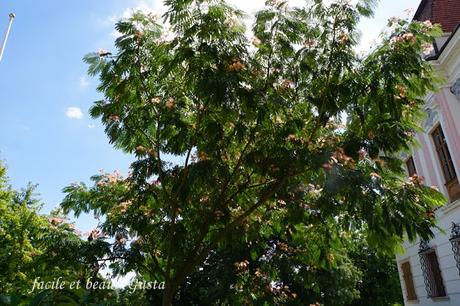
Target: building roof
440, 48
444, 12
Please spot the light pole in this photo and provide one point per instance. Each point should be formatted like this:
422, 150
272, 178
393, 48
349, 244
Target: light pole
12, 15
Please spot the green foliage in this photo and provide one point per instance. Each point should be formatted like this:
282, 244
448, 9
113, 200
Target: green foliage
21, 228
264, 152
379, 285
42, 248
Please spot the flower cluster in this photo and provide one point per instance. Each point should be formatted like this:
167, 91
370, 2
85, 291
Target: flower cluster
123, 206
287, 84
256, 41
55, 221
416, 180
339, 157
314, 191
141, 150
114, 118
236, 66
362, 153
282, 246
107, 179
406, 37
242, 265
155, 100
310, 43
401, 92
120, 239
426, 26
171, 103
95, 234
427, 48
103, 53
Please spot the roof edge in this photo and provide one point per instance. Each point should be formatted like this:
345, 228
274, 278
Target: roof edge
438, 54
419, 10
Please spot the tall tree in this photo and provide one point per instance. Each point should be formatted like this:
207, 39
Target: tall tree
379, 284
282, 142
41, 249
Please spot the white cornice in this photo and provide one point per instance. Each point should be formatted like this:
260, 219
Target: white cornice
448, 63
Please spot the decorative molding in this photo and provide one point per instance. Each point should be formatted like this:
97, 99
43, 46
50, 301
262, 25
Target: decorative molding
455, 240
455, 89
451, 206
455, 233
431, 118
424, 246
430, 100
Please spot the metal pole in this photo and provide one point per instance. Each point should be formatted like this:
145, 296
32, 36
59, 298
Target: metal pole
12, 15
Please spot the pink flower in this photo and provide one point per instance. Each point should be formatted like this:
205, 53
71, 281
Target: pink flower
287, 84
242, 265
154, 182
155, 100
256, 41
55, 221
427, 48
427, 23
310, 43
94, 234
170, 103
362, 154
396, 39
409, 37
115, 118
103, 52
402, 91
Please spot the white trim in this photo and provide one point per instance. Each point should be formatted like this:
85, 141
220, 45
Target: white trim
448, 96
448, 60
425, 173
450, 206
435, 159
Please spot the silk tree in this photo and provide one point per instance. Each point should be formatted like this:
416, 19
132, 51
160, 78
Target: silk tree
285, 139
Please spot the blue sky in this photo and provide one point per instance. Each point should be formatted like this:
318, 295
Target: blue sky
42, 75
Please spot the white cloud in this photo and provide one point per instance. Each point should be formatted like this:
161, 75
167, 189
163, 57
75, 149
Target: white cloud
146, 6
74, 113
108, 21
83, 82
91, 126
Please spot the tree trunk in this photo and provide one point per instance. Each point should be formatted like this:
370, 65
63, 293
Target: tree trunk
168, 295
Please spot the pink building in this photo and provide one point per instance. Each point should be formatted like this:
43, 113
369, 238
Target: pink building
430, 270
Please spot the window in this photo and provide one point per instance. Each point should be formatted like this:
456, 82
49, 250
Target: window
455, 241
447, 166
408, 281
411, 166
431, 272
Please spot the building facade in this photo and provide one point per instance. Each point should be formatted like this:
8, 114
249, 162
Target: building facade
430, 270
